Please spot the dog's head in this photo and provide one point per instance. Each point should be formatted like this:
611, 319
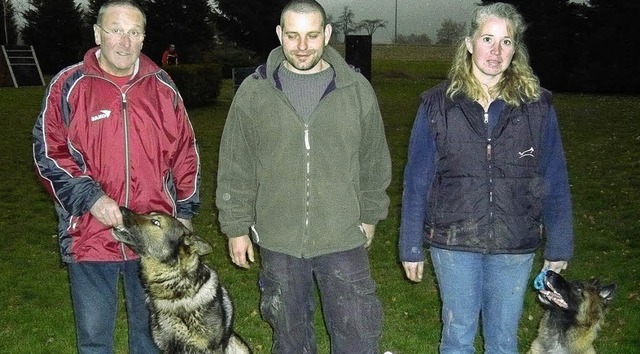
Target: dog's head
575, 296
158, 236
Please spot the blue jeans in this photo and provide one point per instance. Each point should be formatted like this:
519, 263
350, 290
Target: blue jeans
94, 294
471, 284
351, 308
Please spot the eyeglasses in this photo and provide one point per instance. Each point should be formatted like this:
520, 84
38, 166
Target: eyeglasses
133, 34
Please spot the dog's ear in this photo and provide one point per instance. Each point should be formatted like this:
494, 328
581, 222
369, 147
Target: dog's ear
201, 246
607, 292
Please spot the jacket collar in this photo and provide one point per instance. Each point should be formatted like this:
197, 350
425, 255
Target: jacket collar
344, 73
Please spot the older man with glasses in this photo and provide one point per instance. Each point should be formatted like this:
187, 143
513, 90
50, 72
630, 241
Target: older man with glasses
113, 131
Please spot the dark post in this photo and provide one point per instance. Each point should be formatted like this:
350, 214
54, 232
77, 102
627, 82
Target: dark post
358, 53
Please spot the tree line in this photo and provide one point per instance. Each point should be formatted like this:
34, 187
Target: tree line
579, 47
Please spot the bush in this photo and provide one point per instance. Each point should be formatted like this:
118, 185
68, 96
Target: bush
233, 57
199, 84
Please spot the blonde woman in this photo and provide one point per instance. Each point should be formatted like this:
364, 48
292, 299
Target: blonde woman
485, 185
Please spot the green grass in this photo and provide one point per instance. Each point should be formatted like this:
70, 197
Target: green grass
601, 137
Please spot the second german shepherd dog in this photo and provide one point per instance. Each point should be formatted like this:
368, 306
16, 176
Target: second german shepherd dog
574, 312
191, 311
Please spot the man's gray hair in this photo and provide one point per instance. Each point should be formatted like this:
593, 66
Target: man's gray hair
111, 3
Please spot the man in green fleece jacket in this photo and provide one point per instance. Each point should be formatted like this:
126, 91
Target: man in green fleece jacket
303, 171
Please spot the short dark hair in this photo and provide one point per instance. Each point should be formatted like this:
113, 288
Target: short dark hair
304, 6
110, 3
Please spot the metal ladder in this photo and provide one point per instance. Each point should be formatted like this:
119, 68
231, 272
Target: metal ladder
23, 65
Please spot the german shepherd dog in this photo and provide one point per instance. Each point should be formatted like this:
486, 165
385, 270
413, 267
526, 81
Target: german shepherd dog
574, 312
191, 311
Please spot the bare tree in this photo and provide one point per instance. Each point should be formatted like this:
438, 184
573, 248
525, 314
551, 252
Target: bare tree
346, 22
372, 25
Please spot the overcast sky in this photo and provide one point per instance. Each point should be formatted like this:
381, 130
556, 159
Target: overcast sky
414, 16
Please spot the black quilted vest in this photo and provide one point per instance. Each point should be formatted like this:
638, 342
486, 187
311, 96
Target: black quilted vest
487, 191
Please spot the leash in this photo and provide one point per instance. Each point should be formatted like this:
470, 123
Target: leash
538, 282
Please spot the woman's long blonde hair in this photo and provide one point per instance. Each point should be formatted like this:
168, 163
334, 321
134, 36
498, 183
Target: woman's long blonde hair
518, 83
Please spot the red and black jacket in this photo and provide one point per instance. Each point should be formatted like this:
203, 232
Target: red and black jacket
134, 144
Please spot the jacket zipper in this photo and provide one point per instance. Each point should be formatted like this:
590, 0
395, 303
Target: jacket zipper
125, 118
125, 123
489, 166
307, 184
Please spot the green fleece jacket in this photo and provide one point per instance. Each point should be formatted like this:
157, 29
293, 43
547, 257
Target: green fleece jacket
303, 189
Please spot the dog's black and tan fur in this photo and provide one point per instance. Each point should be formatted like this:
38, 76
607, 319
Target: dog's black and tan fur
574, 312
191, 311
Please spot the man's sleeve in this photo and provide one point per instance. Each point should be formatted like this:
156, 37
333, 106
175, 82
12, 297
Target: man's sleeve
187, 167
56, 162
375, 167
237, 185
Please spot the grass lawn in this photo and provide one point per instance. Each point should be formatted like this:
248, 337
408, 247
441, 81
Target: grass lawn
601, 136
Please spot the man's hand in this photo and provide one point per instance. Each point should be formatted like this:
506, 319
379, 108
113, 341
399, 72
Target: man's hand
107, 211
241, 250
369, 230
556, 266
413, 270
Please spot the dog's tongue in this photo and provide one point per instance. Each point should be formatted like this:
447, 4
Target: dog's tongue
555, 298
